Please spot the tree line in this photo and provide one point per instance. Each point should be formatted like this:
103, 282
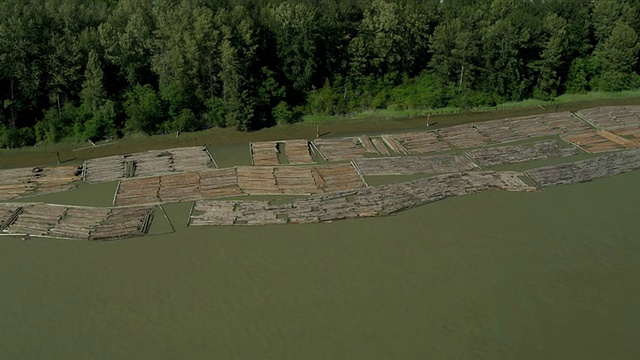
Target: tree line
94, 69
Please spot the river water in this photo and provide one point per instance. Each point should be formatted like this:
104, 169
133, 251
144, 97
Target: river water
553, 274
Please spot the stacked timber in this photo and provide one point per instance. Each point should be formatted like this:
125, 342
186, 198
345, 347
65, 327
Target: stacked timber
297, 152
78, 222
110, 168
15, 183
408, 165
295, 180
138, 191
612, 117
257, 180
339, 177
501, 155
380, 147
420, 142
464, 136
37, 219
148, 163
591, 141
179, 187
188, 159
339, 149
363, 202
122, 223
219, 183
395, 145
264, 153
587, 170
368, 144
511, 129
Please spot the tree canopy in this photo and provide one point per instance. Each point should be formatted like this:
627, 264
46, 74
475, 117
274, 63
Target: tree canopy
94, 69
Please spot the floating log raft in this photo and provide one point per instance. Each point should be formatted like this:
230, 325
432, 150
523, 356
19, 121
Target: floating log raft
368, 144
251, 180
511, 129
219, 183
79, 223
297, 152
363, 202
612, 117
257, 180
148, 163
339, 149
587, 170
15, 183
420, 142
501, 155
596, 141
408, 165
264, 153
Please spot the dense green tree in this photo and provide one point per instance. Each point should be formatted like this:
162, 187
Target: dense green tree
616, 59
99, 68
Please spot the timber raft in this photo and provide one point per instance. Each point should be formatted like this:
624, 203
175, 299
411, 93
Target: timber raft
328, 175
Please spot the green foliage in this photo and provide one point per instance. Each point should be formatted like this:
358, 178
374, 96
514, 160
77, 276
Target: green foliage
144, 110
96, 69
282, 113
102, 124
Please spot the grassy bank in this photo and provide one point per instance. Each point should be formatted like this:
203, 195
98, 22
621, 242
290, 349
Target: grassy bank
367, 122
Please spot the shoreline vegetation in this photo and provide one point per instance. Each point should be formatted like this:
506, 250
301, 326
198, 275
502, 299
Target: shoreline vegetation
374, 122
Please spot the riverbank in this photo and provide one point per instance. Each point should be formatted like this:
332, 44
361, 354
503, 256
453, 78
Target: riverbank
368, 123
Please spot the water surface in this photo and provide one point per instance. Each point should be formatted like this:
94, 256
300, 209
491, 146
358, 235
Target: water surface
495, 275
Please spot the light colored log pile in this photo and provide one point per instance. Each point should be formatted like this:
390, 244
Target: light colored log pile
295, 180
339, 149
148, 163
364, 202
219, 183
395, 145
501, 155
179, 187
408, 165
80, 223
596, 141
587, 170
297, 151
380, 147
123, 222
366, 142
339, 177
15, 183
104, 169
37, 219
257, 180
264, 153
613, 117
420, 142
138, 191
464, 136
511, 129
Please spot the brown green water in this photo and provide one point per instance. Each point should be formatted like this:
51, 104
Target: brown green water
496, 275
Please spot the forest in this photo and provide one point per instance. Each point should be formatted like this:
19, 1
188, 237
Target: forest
97, 69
